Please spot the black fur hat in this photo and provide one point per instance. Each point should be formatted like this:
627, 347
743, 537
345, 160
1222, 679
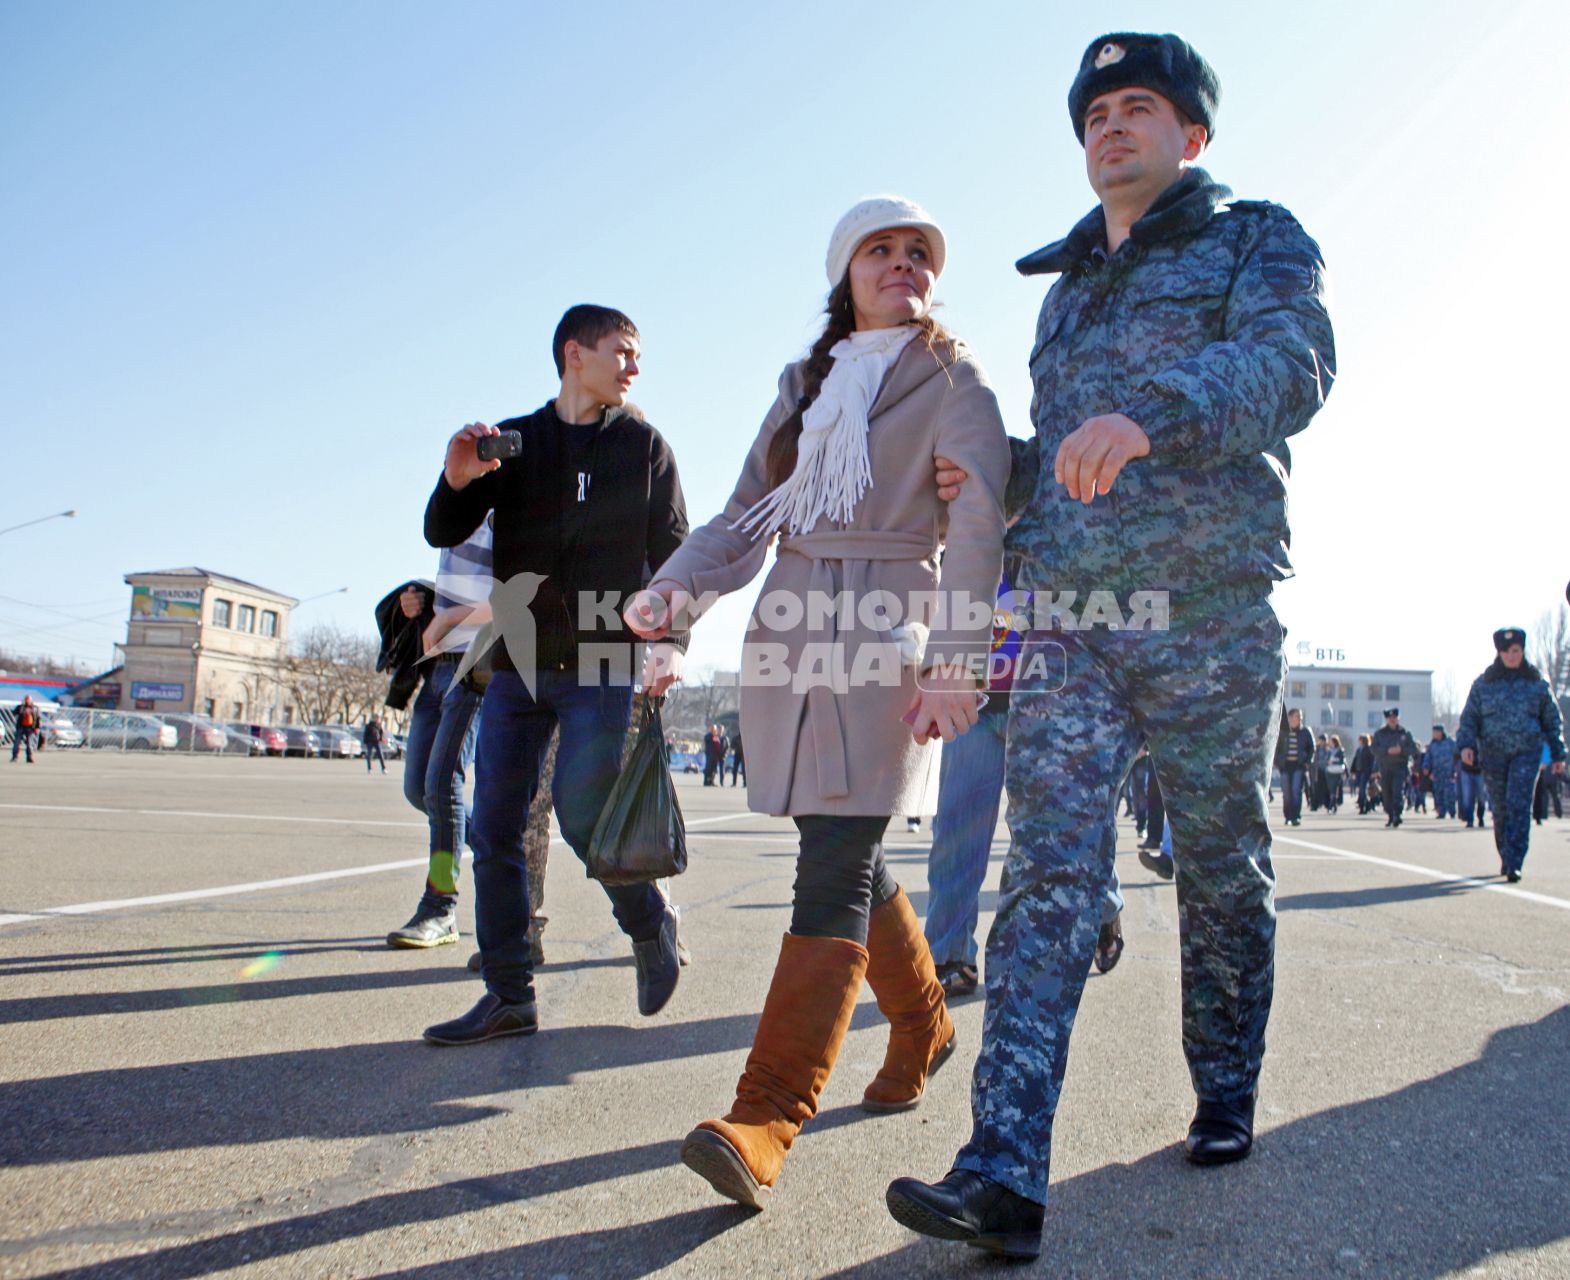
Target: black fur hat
1507, 636
1167, 64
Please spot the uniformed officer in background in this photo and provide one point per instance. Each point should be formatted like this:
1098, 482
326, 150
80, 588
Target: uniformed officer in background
1184, 341
1394, 750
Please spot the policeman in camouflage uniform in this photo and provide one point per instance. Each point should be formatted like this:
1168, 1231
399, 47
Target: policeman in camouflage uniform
1510, 714
1439, 762
1185, 340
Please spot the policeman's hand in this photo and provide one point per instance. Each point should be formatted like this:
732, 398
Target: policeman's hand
462, 463
949, 478
1559, 767
1468, 756
945, 708
662, 668
412, 601
1089, 460
1392, 751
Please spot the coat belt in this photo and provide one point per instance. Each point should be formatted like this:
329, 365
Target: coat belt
854, 549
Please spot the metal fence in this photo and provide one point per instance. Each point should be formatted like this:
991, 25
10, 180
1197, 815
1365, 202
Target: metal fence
87, 728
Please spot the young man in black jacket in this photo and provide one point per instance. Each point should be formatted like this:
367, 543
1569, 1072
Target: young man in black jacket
590, 502
1294, 755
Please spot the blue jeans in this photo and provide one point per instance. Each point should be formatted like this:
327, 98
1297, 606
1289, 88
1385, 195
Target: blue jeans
1292, 779
970, 792
515, 730
442, 730
1470, 786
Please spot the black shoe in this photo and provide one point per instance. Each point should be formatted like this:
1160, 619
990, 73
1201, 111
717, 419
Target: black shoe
659, 965
968, 1207
474, 962
1156, 861
427, 928
1513, 876
1109, 945
489, 1019
1221, 1132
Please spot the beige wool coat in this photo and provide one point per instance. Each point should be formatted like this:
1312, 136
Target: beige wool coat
823, 683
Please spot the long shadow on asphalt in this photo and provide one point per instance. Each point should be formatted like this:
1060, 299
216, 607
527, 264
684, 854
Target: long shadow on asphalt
353, 1091
1382, 895
1424, 1182
91, 1004
223, 952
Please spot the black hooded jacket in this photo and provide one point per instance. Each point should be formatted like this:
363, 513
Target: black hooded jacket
401, 650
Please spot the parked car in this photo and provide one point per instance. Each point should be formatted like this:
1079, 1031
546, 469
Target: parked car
58, 731
241, 743
129, 731
395, 746
302, 742
196, 733
337, 742
271, 737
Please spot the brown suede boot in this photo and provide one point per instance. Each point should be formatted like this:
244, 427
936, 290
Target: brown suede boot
921, 1033
816, 981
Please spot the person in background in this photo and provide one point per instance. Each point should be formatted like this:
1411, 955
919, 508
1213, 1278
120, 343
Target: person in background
1335, 771
1394, 750
1509, 717
1439, 765
1319, 782
1294, 754
26, 728
1363, 771
372, 737
738, 759
1470, 793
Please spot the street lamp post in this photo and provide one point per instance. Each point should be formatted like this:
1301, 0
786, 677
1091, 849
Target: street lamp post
58, 515
278, 660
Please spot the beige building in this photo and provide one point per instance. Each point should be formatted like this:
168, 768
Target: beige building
201, 641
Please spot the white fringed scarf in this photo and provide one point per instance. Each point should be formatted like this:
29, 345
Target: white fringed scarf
832, 469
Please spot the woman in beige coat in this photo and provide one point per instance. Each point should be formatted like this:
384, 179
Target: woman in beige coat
853, 663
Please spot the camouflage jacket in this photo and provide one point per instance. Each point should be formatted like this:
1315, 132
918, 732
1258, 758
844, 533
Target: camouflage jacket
1509, 714
1208, 328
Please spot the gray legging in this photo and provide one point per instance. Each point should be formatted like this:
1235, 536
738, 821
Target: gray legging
840, 876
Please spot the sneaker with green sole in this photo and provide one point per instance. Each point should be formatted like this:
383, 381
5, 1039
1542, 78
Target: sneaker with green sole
426, 929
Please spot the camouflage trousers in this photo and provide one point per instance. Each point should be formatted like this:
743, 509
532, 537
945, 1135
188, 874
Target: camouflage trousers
1511, 781
1207, 694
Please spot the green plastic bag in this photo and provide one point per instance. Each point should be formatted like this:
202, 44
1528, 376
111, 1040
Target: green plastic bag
641, 835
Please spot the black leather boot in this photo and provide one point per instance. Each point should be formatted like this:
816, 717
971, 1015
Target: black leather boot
1221, 1132
968, 1207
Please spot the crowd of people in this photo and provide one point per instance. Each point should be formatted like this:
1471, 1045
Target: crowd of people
1185, 340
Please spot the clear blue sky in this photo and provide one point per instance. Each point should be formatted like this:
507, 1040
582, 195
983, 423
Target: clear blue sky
261, 259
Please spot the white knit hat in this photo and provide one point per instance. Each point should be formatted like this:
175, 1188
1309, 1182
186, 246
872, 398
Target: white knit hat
880, 213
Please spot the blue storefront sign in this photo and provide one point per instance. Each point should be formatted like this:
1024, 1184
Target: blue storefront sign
142, 691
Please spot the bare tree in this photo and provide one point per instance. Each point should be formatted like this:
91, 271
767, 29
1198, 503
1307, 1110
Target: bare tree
700, 700
331, 676
1447, 703
1550, 651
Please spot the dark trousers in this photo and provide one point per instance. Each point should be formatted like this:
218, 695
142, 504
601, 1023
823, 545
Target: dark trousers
738, 764
1155, 812
374, 749
515, 732
1392, 784
1474, 804
841, 875
24, 738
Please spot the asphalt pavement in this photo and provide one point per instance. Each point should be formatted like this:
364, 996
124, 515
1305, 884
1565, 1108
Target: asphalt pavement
210, 1062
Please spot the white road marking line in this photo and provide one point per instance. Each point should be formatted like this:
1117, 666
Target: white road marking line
1442, 877
200, 813
189, 895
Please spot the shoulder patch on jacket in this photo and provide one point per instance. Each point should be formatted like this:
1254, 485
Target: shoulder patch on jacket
1288, 274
